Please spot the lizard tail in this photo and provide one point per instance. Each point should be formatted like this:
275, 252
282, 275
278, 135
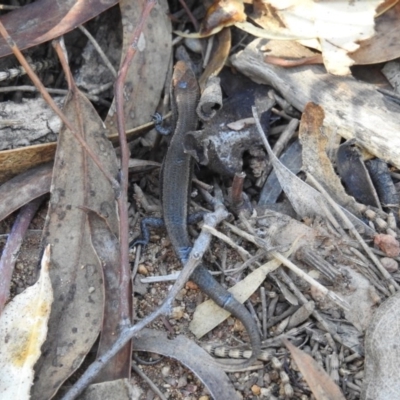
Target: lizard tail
205, 281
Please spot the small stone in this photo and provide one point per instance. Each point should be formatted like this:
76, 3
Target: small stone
91, 289
204, 398
182, 381
390, 264
388, 244
191, 285
19, 266
178, 312
165, 371
316, 294
238, 326
143, 270
256, 390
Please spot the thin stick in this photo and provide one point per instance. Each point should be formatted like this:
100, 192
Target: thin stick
243, 253
152, 385
28, 88
285, 261
353, 230
99, 50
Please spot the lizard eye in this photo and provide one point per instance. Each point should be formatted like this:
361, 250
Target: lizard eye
182, 85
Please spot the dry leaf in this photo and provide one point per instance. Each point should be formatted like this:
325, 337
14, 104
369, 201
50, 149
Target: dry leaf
146, 75
29, 185
332, 25
385, 44
314, 138
106, 245
320, 383
221, 14
77, 278
23, 329
44, 20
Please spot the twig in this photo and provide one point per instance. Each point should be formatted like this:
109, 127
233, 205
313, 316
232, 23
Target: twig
200, 246
13, 244
285, 261
27, 88
243, 253
353, 230
152, 385
98, 49
190, 15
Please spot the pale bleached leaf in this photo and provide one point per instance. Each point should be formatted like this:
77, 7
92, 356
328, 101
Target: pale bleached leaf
23, 329
338, 26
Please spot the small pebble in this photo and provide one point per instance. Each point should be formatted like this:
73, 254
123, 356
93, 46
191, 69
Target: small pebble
143, 270
182, 381
191, 285
388, 244
256, 390
178, 312
390, 264
316, 294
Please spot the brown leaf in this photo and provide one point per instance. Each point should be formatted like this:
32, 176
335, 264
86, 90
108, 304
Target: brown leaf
76, 274
16, 161
320, 383
45, 20
385, 45
222, 13
315, 140
147, 73
106, 245
219, 56
24, 188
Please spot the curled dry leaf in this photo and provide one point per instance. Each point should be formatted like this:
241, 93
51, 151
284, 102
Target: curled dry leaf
23, 329
314, 140
221, 14
219, 56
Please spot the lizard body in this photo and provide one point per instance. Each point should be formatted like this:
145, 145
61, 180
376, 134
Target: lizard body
176, 177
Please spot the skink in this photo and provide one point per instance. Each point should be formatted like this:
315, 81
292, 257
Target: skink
176, 177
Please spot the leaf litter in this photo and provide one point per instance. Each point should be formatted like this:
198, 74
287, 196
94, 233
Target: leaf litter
323, 241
